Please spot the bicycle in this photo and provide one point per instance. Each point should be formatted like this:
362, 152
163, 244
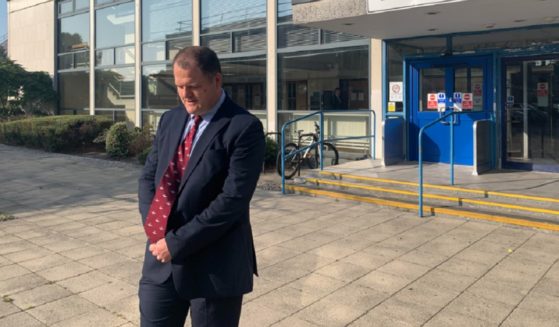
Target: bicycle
311, 156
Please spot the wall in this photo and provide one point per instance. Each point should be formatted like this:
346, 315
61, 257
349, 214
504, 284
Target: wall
31, 34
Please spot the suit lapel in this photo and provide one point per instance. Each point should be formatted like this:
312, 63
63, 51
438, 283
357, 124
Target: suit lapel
216, 124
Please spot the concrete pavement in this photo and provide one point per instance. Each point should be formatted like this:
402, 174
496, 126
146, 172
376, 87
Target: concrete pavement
73, 253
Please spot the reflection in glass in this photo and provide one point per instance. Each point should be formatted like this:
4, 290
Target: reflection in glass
74, 33
310, 79
165, 19
397, 50
153, 51
174, 46
470, 80
532, 112
73, 60
115, 25
117, 115
151, 118
65, 7
244, 80
81, 4
105, 57
124, 55
219, 15
114, 88
73, 90
293, 35
158, 87
431, 80
234, 26
506, 39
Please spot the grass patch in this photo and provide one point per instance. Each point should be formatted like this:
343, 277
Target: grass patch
6, 217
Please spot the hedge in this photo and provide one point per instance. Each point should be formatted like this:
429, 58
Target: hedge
54, 133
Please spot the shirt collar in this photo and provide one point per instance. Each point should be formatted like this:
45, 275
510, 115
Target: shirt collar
207, 117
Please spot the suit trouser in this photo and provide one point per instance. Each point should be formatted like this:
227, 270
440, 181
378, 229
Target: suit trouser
161, 306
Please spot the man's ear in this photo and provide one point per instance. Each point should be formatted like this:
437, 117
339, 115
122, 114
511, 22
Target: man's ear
218, 80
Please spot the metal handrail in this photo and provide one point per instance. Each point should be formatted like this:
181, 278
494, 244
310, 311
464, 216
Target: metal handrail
321, 139
420, 153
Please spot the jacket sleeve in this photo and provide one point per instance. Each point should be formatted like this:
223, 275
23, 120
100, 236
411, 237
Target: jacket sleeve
146, 182
231, 206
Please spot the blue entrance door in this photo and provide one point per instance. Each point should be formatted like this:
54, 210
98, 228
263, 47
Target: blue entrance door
470, 75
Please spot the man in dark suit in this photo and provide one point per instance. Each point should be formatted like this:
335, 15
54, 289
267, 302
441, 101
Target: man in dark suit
200, 253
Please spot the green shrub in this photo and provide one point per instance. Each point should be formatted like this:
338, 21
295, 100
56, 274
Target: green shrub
140, 140
118, 140
271, 153
53, 133
143, 156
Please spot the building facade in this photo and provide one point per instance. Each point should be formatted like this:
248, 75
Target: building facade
403, 60
113, 57
497, 60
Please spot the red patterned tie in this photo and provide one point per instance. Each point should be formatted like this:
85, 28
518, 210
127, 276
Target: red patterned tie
166, 192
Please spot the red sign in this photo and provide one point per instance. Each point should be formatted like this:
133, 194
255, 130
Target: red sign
477, 90
432, 101
467, 101
542, 90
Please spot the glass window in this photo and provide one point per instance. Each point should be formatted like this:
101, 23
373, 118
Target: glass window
234, 26
249, 40
73, 60
165, 19
74, 33
326, 79
333, 37
65, 7
397, 51
293, 35
158, 87
114, 88
244, 80
105, 57
508, 39
124, 55
290, 35
117, 114
82, 4
174, 46
154, 51
431, 80
470, 80
73, 89
219, 15
115, 25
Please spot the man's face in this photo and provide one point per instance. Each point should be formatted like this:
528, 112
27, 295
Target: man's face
198, 92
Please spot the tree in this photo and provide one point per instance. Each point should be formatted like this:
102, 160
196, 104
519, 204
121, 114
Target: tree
23, 92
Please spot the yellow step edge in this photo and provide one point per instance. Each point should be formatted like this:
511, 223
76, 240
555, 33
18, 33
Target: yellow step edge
433, 196
443, 187
433, 210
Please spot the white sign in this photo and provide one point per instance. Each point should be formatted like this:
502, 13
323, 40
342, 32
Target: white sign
376, 6
457, 98
396, 91
441, 101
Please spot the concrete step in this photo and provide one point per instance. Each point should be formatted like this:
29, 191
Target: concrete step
518, 209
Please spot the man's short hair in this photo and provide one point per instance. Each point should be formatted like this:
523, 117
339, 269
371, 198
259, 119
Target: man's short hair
204, 57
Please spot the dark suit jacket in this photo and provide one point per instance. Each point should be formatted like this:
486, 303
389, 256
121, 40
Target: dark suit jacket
208, 233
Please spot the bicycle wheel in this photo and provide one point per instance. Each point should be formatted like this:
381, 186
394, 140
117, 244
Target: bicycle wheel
330, 153
291, 163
